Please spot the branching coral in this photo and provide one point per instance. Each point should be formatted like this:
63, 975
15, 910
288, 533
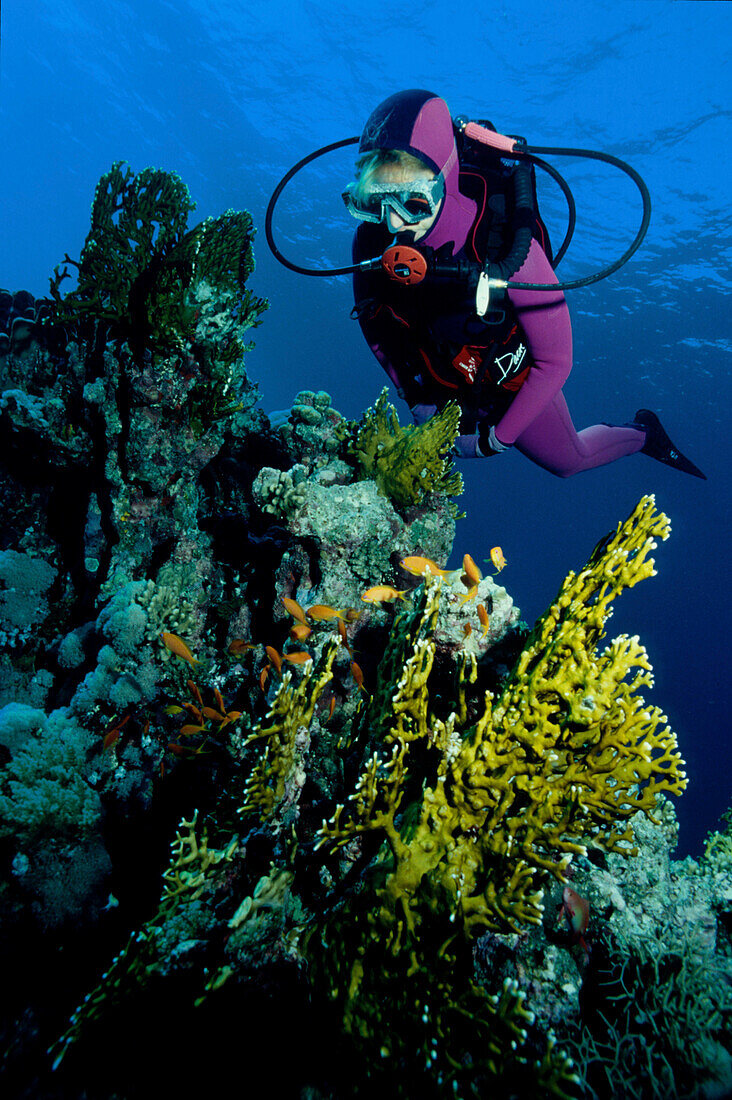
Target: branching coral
277, 777
406, 463
454, 809
139, 260
474, 819
184, 880
567, 751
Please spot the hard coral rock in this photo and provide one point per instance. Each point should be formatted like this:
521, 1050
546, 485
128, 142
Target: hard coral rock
312, 430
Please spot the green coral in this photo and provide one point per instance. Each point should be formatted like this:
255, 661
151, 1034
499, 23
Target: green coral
44, 790
663, 1026
139, 261
457, 808
406, 463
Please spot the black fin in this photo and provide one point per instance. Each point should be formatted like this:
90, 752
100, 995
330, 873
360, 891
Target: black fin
659, 446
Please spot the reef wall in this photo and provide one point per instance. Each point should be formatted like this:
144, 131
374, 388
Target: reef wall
274, 802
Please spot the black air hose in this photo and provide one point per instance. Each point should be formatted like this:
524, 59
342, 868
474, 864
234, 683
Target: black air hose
524, 219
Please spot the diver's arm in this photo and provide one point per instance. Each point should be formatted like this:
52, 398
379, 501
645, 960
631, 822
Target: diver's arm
544, 318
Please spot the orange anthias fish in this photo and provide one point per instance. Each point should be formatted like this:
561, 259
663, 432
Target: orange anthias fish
344, 634
357, 675
298, 658
293, 607
179, 648
419, 566
300, 631
238, 646
498, 559
383, 593
111, 737
484, 620
274, 657
472, 574
322, 613
472, 593
577, 912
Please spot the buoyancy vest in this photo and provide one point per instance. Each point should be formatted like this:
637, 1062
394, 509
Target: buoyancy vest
430, 331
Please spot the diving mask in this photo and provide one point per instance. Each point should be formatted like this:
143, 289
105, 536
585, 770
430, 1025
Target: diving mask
413, 202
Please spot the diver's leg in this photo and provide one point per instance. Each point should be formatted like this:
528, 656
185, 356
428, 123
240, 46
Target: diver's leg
552, 442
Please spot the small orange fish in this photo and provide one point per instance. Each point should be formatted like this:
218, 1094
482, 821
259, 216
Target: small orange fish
193, 709
298, 658
238, 646
294, 609
351, 614
470, 596
484, 620
419, 566
343, 634
383, 593
213, 715
472, 574
193, 688
179, 648
300, 631
357, 675
274, 657
322, 613
467, 630
331, 708
577, 912
263, 676
498, 559
188, 731
111, 737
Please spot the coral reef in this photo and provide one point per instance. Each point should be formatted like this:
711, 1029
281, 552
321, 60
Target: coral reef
406, 463
375, 806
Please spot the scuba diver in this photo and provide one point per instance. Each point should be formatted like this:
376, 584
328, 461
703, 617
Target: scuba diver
438, 206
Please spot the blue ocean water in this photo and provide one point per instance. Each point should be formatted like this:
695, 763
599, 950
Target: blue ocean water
230, 94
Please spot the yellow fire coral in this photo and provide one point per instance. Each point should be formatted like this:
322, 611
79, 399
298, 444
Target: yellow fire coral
184, 880
406, 463
566, 752
278, 774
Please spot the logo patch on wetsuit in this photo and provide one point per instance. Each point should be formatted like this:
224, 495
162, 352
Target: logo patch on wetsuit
509, 364
467, 361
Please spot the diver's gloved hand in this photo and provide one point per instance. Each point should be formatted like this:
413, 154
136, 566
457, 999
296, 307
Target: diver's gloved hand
466, 446
422, 413
488, 442
278, 417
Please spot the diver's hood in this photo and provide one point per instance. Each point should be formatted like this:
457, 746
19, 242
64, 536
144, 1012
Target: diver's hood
419, 123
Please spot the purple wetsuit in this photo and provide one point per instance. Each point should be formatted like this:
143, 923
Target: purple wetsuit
434, 348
